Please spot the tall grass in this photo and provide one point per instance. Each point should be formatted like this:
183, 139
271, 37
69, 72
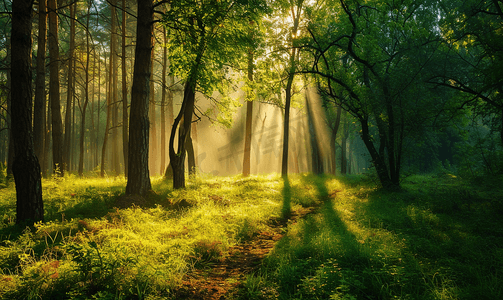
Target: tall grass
441, 237
89, 248
438, 238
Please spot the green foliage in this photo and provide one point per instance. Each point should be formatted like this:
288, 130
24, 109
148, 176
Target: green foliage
438, 238
207, 39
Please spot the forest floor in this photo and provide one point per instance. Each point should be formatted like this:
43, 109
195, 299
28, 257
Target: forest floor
221, 279
261, 237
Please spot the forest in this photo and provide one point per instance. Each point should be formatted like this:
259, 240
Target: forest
251, 149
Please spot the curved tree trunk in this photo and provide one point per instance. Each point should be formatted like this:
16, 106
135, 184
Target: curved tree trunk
183, 122
138, 175
26, 169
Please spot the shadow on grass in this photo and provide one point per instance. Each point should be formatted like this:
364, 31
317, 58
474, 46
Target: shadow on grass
452, 243
286, 208
304, 251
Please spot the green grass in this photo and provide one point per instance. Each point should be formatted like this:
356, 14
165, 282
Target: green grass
441, 237
438, 238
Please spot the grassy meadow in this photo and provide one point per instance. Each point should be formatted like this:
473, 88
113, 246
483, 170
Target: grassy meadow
441, 237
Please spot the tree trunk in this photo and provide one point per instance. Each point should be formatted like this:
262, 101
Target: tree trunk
316, 158
184, 120
153, 131
177, 159
125, 137
191, 157
26, 169
344, 162
86, 101
47, 145
10, 150
333, 139
115, 107
107, 122
39, 106
56, 124
138, 175
163, 102
377, 159
249, 117
67, 149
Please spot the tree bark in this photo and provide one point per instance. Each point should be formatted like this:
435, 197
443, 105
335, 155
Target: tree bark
295, 14
344, 162
26, 169
163, 102
86, 101
56, 123
107, 122
10, 150
125, 137
249, 120
138, 180
184, 120
67, 148
333, 139
40, 100
152, 112
115, 107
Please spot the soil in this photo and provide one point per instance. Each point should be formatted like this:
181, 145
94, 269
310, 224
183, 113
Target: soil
221, 279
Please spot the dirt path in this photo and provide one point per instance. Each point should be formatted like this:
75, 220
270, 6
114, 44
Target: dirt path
223, 277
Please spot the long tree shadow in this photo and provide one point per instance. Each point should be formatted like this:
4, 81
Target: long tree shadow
286, 208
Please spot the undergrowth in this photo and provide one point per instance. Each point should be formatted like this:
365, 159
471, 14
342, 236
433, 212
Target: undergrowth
440, 237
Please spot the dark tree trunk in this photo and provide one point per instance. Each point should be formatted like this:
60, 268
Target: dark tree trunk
125, 137
67, 146
183, 122
286, 124
10, 150
163, 102
47, 145
377, 159
56, 123
152, 112
109, 114
344, 161
115, 107
26, 169
138, 175
333, 139
249, 117
191, 157
86, 101
316, 157
39, 105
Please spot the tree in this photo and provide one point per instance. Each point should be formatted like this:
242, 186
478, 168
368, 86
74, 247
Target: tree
138, 175
56, 123
249, 115
86, 100
40, 100
296, 8
70, 92
26, 169
205, 39
125, 137
375, 66
472, 31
